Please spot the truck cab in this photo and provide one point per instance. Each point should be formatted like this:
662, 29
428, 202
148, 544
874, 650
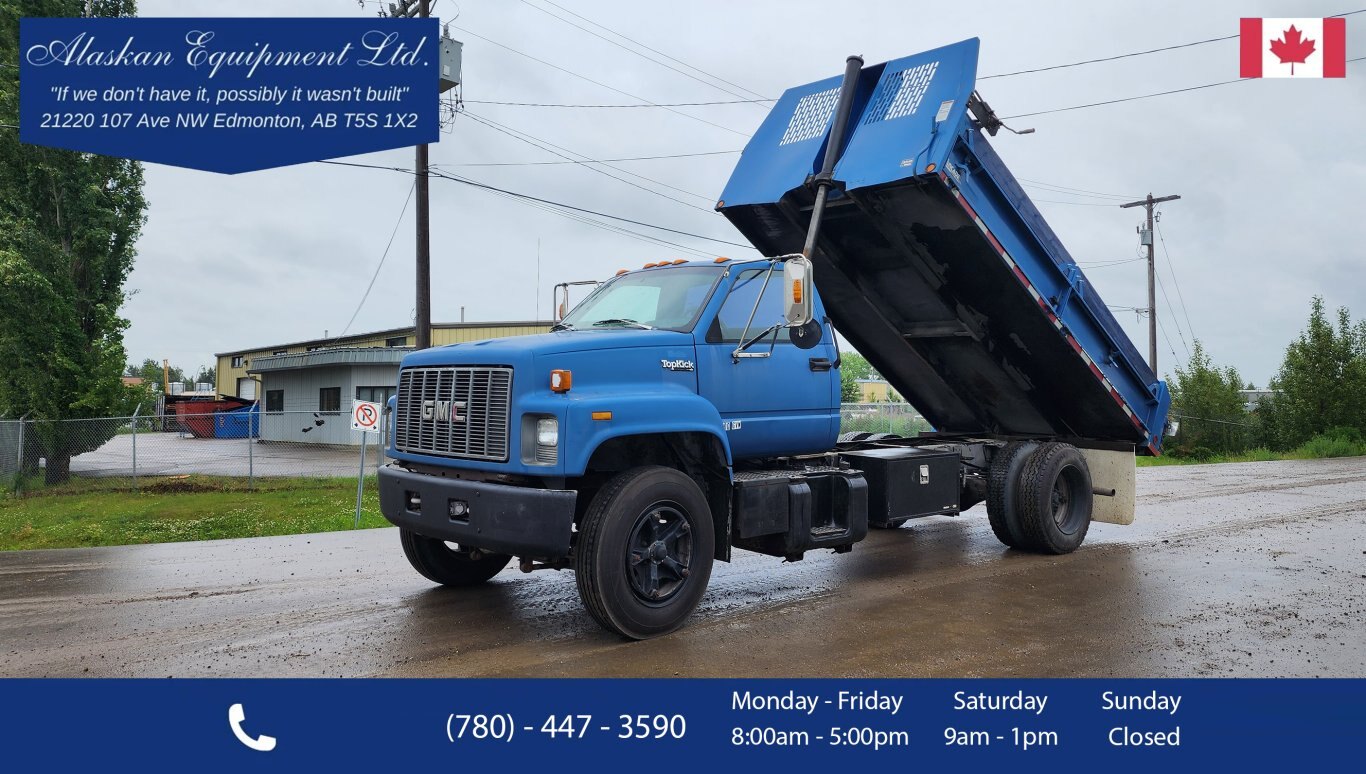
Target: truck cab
673, 371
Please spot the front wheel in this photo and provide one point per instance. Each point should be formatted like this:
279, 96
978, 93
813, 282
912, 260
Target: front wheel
438, 562
644, 552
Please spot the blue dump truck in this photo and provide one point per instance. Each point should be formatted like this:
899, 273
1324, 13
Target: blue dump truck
688, 409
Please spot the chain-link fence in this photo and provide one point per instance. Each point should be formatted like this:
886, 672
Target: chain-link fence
244, 444
249, 444
895, 418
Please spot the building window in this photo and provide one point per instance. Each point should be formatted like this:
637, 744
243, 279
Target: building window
329, 400
375, 394
314, 349
280, 352
275, 400
236, 361
396, 341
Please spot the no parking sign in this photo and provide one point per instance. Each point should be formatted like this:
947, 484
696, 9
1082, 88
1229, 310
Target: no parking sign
365, 416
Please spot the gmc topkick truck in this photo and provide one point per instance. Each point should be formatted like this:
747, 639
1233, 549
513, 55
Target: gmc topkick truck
688, 409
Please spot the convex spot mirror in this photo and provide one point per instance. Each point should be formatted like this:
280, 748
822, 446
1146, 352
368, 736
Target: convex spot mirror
807, 336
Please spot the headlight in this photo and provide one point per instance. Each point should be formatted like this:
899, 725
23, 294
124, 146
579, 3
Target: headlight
547, 431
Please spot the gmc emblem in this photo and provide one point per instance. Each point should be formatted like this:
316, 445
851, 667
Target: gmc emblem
443, 410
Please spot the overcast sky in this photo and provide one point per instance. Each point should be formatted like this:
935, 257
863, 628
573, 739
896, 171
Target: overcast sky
1272, 173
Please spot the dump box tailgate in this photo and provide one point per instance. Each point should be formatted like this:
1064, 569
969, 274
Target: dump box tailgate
935, 265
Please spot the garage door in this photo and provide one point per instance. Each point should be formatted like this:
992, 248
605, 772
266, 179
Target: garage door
246, 388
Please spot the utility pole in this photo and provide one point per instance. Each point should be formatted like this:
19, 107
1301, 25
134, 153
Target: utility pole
1146, 238
407, 9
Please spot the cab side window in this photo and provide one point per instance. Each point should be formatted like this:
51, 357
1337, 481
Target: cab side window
730, 321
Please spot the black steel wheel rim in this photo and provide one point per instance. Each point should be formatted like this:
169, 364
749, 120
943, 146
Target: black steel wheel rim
1063, 500
659, 552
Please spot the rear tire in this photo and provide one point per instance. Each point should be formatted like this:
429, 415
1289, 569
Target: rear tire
1055, 499
436, 561
644, 552
1002, 488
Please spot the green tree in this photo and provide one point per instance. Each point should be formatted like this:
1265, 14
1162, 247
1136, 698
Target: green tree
68, 225
853, 367
857, 365
151, 372
849, 391
1321, 384
207, 374
1205, 398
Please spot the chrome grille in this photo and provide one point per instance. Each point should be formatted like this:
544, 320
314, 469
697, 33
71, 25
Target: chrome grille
486, 393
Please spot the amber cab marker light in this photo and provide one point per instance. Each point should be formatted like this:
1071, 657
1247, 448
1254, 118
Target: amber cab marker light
796, 291
679, 260
721, 259
602, 415
930, 167
650, 265
561, 381
622, 271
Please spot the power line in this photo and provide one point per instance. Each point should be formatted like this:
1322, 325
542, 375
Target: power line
1208, 419
632, 105
596, 83
382, 258
1177, 322
655, 50
1074, 204
1140, 96
1078, 191
1106, 58
529, 197
1170, 347
574, 216
547, 146
1171, 269
1107, 264
1136, 53
1125, 99
563, 20
587, 161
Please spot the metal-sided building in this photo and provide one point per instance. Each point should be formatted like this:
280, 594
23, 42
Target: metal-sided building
235, 381
305, 390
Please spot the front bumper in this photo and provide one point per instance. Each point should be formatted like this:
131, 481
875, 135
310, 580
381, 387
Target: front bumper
535, 523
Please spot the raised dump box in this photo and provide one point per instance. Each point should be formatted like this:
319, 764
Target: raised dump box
938, 268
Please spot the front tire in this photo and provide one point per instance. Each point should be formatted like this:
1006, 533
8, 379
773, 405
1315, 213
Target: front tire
436, 561
644, 552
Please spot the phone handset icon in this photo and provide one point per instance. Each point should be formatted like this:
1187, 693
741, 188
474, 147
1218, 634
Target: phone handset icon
236, 715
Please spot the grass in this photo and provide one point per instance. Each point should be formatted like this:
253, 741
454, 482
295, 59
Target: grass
1317, 448
101, 512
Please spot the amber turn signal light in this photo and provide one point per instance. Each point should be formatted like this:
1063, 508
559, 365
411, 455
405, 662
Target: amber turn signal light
561, 381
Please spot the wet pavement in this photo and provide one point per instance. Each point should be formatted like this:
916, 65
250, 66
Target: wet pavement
1255, 569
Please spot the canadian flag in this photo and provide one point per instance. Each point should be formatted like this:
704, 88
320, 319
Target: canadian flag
1293, 48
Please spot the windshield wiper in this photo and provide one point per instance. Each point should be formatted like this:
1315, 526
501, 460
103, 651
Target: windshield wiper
561, 326
623, 321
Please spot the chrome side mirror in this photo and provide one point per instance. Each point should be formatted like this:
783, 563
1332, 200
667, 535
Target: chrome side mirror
798, 304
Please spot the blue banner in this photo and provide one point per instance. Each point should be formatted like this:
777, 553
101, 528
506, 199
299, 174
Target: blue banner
228, 95
684, 724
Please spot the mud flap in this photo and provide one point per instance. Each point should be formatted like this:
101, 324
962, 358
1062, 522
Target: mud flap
1112, 470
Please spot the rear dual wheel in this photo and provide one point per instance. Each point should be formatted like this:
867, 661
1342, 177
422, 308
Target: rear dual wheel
1039, 497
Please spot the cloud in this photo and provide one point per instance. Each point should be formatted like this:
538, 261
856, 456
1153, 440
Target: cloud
1270, 172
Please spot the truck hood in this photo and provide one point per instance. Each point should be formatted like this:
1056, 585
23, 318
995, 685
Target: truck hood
522, 349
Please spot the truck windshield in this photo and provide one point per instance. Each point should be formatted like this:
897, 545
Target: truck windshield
669, 298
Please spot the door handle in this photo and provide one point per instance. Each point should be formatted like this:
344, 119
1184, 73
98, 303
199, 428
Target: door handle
820, 364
